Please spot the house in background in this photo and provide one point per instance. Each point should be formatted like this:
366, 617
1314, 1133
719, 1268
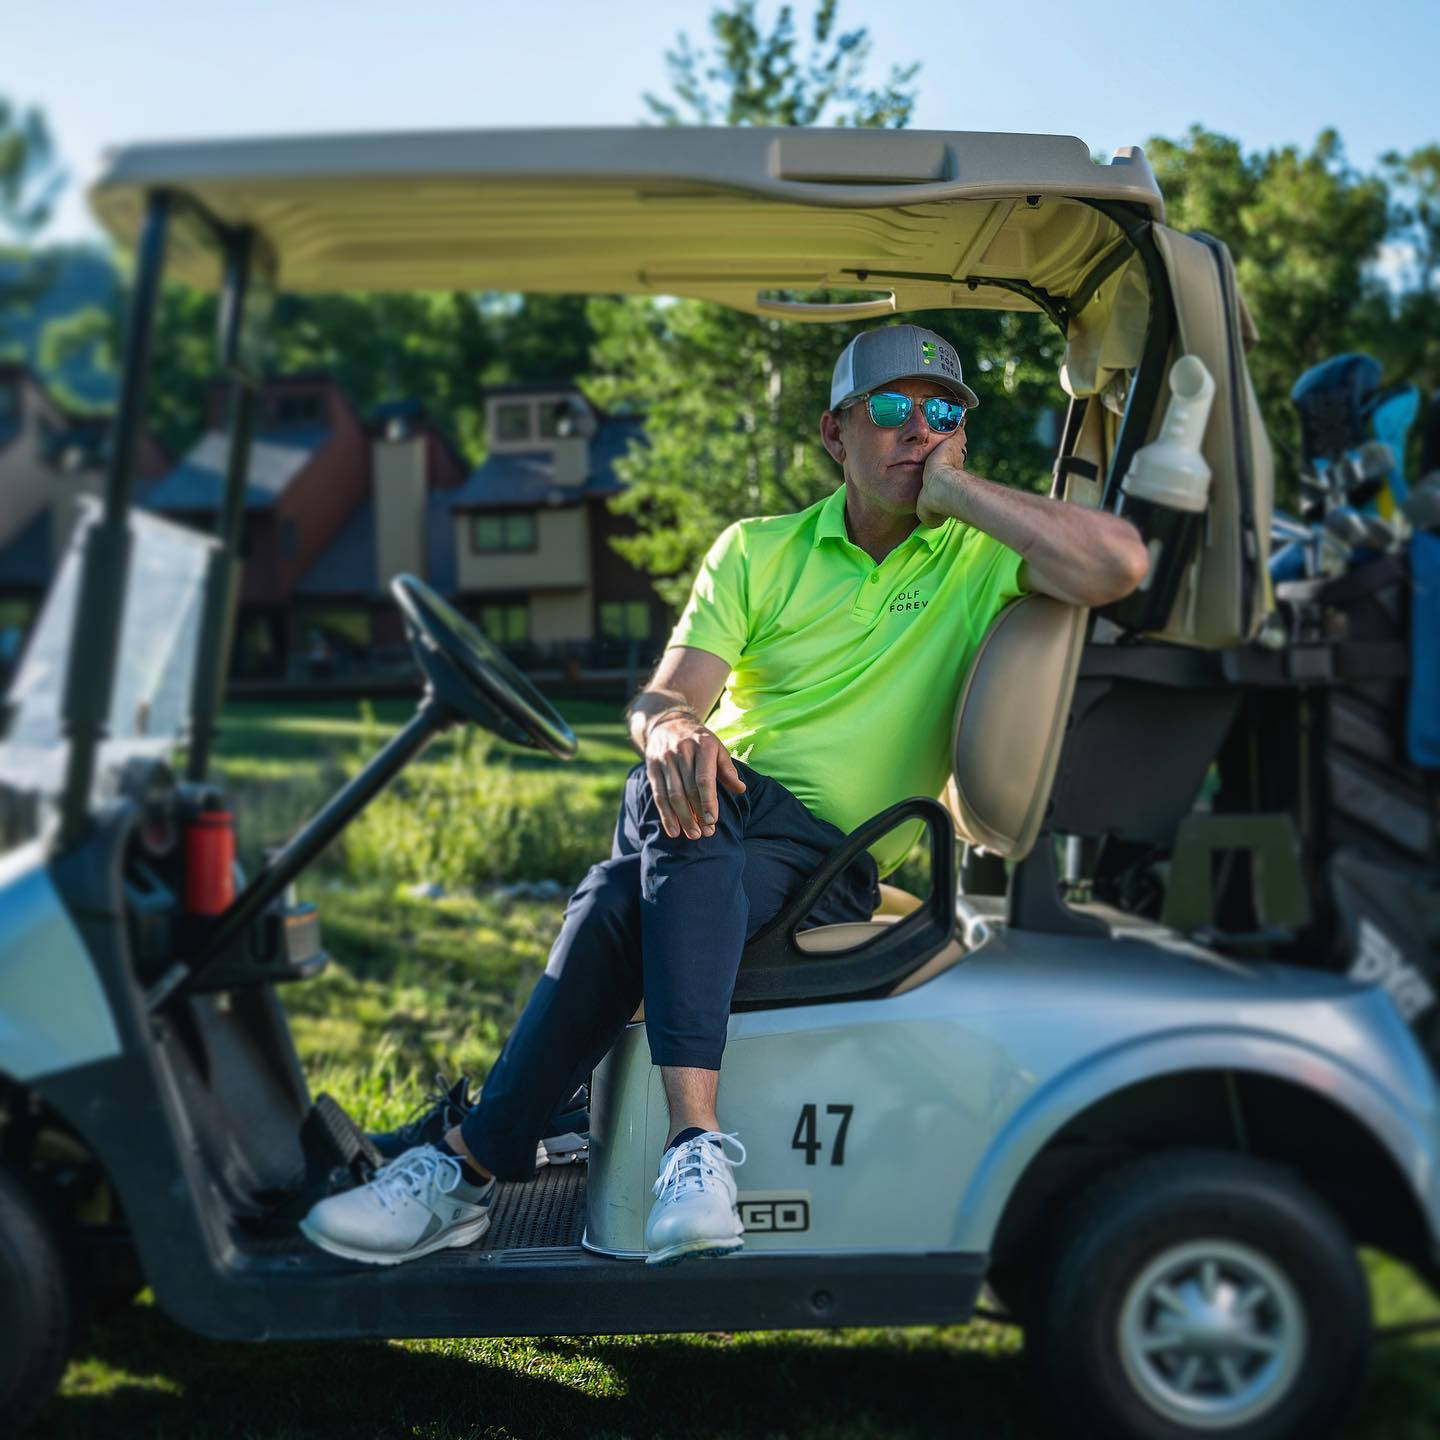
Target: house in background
337, 504
343, 613
532, 531
49, 458
309, 471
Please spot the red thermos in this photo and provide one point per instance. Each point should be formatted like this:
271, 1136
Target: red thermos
209, 862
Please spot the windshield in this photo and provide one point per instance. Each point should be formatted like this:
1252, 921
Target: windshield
149, 708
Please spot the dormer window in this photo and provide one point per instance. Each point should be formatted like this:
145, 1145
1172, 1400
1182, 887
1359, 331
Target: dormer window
306, 407
512, 420
559, 418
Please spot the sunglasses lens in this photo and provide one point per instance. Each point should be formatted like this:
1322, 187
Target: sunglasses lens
888, 411
943, 415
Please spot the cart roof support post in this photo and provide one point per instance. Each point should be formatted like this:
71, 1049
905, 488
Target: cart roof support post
85, 708
242, 316
1152, 372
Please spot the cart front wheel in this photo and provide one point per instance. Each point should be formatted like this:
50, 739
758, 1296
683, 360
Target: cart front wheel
1202, 1293
35, 1310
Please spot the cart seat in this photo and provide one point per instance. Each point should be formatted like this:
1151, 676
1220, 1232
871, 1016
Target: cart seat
1010, 723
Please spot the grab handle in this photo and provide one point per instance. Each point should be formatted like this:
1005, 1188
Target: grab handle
818, 310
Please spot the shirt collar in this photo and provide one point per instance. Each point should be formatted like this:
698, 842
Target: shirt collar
831, 524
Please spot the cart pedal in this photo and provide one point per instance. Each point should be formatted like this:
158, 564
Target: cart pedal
332, 1141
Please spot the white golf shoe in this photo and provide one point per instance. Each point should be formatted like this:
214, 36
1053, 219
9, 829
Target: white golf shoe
416, 1204
696, 1212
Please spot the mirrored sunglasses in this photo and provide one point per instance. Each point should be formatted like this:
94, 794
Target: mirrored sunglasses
889, 410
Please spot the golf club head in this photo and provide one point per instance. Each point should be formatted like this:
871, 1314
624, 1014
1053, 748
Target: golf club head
1361, 475
1422, 506
1374, 460
1379, 534
1347, 526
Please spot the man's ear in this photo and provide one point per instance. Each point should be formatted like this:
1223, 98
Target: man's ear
832, 436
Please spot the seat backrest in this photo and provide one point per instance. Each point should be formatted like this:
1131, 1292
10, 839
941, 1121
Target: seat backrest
1010, 723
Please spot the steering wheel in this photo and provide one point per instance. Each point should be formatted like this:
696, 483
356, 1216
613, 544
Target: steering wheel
470, 675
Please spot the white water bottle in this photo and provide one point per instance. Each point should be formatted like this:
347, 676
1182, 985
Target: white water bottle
1165, 493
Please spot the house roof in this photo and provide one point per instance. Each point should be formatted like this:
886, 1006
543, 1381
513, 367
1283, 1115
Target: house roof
198, 482
26, 562
347, 565
527, 477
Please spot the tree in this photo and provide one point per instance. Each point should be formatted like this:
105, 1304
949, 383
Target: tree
1306, 231
751, 78
732, 400
30, 177
1410, 343
86, 337
30, 182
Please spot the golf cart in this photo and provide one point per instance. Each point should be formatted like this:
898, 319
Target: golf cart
1159, 1156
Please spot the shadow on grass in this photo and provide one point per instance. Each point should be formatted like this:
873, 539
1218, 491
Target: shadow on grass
142, 1375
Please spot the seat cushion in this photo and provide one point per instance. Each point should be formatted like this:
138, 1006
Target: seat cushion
1010, 723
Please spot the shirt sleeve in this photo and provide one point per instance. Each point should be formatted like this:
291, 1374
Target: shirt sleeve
717, 616
994, 576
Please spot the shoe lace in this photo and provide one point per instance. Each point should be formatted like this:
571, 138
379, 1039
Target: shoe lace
408, 1174
691, 1165
439, 1100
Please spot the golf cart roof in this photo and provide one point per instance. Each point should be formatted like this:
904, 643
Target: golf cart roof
914, 218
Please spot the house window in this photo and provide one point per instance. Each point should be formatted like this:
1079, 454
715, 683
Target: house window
625, 619
502, 532
306, 408
512, 420
506, 625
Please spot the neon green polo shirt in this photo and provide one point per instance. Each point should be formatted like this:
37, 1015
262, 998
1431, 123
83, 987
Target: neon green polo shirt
844, 673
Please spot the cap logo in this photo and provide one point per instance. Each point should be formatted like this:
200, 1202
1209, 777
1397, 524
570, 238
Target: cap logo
931, 352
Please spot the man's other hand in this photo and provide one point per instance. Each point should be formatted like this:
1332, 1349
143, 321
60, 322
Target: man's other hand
683, 760
944, 467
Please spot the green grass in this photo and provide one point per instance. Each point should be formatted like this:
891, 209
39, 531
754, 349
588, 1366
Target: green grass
420, 985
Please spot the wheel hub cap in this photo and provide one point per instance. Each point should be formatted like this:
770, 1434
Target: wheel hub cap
1212, 1334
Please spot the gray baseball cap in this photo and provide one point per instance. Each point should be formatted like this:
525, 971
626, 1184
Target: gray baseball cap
897, 352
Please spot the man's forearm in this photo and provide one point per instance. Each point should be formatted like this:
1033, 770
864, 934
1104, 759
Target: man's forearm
1089, 557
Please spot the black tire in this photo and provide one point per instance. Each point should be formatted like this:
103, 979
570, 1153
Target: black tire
1112, 1253
35, 1304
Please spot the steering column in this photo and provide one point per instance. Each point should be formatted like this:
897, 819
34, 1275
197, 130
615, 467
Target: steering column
466, 678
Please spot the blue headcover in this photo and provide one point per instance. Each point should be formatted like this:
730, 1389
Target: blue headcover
1423, 722
1332, 399
1393, 414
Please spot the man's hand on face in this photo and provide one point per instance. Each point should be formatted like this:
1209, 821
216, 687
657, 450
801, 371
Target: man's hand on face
683, 760
944, 470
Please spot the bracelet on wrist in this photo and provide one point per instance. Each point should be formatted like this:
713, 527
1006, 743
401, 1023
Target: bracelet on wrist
675, 710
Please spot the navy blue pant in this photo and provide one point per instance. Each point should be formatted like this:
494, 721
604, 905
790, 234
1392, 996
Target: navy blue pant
665, 920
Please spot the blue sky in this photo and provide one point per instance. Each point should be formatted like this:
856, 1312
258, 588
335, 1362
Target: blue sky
1268, 73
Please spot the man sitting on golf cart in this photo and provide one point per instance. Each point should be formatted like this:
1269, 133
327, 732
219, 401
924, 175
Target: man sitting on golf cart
835, 641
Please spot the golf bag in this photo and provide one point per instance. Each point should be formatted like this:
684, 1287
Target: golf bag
1341, 405
1380, 799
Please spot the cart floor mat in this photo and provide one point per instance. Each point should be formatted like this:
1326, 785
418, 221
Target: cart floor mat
548, 1211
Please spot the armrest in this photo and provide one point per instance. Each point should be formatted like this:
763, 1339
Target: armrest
775, 970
